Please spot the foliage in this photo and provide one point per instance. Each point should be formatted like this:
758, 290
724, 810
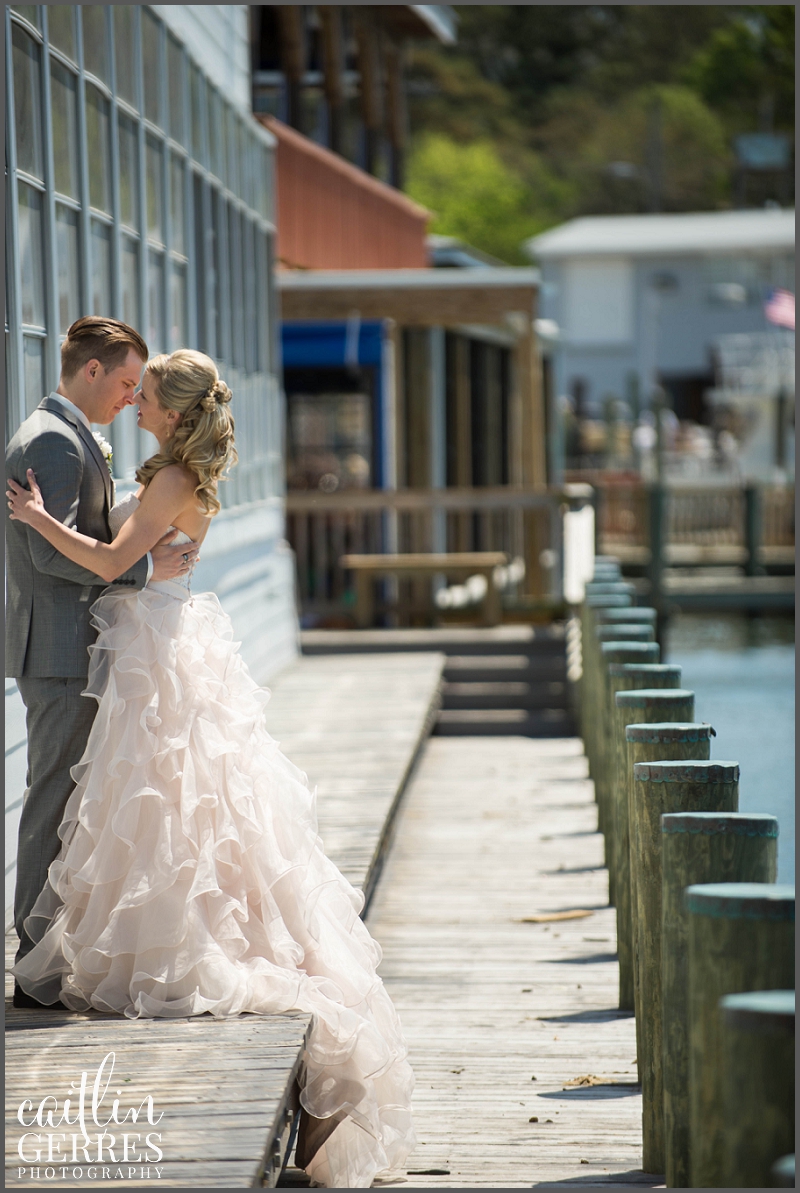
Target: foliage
477, 197
544, 112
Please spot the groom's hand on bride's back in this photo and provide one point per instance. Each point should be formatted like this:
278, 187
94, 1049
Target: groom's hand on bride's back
172, 559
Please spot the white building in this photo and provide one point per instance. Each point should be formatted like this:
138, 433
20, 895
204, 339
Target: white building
140, 186
642, 299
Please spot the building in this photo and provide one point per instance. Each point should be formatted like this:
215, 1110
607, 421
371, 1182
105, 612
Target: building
334, 72
140, 186
641, 300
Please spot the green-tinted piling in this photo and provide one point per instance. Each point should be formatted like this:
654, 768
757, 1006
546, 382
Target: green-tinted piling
741, 939
652, 741
782, 1173
662, 701
671, 785
611, 652
758, 1077
697, 847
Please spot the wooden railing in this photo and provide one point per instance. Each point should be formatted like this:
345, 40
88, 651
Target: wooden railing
524, 524
702, 525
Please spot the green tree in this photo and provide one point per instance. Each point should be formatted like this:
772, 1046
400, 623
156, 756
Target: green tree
746, 69
477, 197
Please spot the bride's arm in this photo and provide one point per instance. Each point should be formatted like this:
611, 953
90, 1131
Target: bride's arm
165, 498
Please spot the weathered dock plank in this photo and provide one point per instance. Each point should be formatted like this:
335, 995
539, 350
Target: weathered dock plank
502, 1015
227, 1089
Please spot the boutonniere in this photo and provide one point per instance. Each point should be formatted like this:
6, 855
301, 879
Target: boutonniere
105, 448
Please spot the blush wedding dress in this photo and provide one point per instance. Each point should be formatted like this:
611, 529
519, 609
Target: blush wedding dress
191, 877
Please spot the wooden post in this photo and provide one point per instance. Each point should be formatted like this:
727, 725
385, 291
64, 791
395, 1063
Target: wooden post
652, 741
697, 847
741, 938
611, 652
655, 568
758, 1074
637, 613
693, 785
625, 631
626, 677
752, 529
590, 661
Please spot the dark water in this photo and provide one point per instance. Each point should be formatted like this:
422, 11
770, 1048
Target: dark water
742, 673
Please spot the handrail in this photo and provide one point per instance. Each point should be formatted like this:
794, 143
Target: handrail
493, 497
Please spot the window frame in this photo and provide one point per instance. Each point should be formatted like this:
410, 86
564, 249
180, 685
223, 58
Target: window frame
248, 163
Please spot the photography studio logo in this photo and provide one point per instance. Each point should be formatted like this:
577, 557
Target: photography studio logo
91, 1135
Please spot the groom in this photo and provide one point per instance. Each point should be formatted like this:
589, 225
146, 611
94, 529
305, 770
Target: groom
48, 624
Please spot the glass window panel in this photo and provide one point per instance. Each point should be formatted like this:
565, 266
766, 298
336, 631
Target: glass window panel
232, 137
151, 36
33, 365
69, 266
27, 103
101, 268
61, 28
201, 265
64, 113
31, 255
29, 11
262, 297
155, 301
262, 182
250, 299
98, 149
175, 77
129, 260
197, 87
215, 141
155, 190
177, 200
125, 16
220, 304
235, 275
178, 336
128, 172
95, 41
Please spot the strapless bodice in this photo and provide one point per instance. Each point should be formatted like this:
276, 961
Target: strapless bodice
118, 515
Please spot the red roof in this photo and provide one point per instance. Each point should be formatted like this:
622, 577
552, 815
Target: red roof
332, 215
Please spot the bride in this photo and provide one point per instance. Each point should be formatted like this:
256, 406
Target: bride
191, 877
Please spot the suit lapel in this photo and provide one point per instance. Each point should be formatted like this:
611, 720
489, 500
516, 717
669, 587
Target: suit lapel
90, 443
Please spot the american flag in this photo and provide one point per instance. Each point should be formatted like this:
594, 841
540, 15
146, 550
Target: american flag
779, 308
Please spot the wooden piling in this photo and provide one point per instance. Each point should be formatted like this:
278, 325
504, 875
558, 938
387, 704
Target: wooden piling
671, 785
758, 1078
652, 741
741, 938
622, 677
625, 631
697, 847
611, 652
634, 704
590, 662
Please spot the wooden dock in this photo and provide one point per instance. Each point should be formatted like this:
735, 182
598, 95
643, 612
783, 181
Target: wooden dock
526, 1071
227, 1089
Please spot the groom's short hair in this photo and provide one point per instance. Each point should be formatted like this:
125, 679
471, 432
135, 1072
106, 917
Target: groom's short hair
96, 338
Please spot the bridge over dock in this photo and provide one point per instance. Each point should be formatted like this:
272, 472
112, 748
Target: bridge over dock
484, 865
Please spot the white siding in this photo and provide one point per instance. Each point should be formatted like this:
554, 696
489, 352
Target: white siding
598, 300
217, 37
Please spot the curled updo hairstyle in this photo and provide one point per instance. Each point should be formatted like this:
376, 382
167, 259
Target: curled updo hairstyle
187, 382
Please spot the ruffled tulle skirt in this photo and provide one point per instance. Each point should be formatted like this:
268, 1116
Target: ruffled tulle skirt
192, 879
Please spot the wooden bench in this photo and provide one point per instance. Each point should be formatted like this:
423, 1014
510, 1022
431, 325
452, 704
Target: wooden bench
458, 564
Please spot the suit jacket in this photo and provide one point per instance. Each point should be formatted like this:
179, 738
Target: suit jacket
48, 626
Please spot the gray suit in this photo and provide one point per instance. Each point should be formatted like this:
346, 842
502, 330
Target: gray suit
48, 626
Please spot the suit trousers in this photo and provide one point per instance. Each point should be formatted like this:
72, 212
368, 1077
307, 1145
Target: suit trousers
59, 720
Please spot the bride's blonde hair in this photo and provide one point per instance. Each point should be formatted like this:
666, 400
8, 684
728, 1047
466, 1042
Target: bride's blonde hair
188, 382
